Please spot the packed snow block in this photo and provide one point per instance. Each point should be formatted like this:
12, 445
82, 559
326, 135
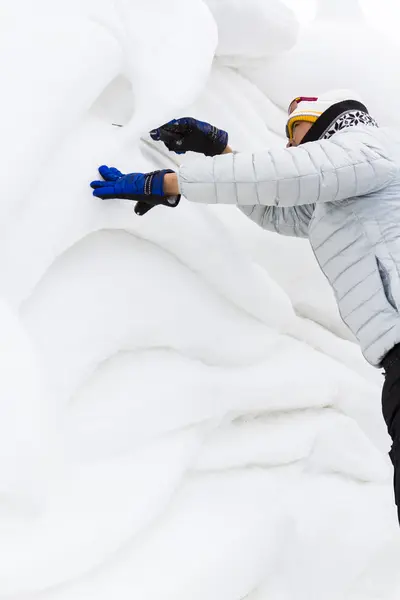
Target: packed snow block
169, 49
54, 71
187, 393
355, 534
264, 125
269, 441
216, 520
364, 55
25, 424
219, 538
161, 337
253, 28
114, 292
341, 447
93, 508
86, 55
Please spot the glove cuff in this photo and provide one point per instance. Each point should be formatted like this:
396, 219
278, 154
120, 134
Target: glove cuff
219, 141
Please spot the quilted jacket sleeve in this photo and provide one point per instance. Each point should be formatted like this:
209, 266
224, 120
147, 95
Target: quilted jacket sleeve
351, 163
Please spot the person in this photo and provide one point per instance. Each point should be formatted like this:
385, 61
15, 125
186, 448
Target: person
337, 184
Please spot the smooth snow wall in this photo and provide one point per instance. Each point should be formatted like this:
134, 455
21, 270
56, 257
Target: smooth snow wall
182, 412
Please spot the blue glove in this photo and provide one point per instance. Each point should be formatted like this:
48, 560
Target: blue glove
188, 134
146, 188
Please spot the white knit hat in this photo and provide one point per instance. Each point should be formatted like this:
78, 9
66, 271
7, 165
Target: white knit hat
311, 109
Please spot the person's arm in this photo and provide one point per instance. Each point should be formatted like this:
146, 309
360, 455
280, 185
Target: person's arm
293, 221
351, 163
171, 185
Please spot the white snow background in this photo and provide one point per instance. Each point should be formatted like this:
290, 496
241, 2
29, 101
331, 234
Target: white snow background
182, 413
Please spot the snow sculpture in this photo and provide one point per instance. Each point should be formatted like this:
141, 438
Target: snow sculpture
169, 426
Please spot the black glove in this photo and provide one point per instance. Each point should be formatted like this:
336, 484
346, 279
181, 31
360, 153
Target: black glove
187, 134
147, 188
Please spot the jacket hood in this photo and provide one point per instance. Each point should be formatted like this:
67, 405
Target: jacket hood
341, 115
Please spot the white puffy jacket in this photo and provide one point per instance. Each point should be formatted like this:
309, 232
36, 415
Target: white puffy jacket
342, 193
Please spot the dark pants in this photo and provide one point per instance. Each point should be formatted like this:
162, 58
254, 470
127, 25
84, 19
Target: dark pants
391, 413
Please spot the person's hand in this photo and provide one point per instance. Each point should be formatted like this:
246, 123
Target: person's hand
188, 134
146, 188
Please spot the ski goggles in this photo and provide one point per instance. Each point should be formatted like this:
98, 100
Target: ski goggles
297, 100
